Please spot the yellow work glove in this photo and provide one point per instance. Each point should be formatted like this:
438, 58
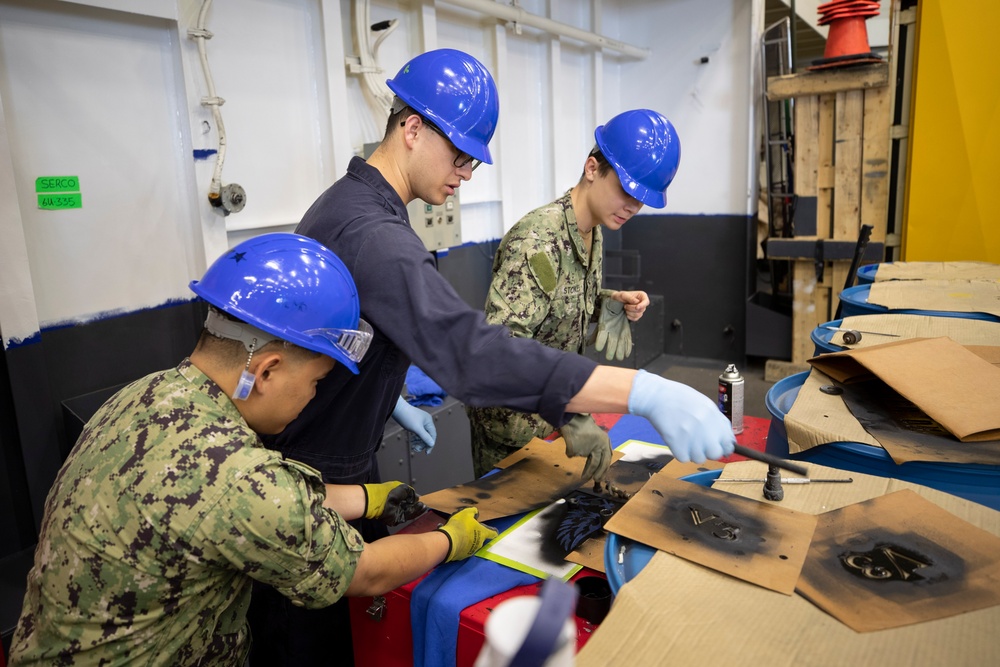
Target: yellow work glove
392, 503
613, 330
585, 438
465, 534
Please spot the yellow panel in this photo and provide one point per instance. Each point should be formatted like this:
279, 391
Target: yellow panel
953, 190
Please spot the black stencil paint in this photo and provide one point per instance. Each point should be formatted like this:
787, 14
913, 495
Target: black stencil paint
899, 566
568, 524
718, 526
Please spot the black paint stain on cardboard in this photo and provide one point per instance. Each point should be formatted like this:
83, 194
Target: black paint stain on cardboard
568, 524
716, 525
936, 570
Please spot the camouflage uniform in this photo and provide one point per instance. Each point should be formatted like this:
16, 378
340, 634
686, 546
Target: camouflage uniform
544, 287
162, 513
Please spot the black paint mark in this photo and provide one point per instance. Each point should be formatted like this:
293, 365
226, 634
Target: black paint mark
720, 526
482, 495
567, 525
886, 562
655, 492
901, 567
468, 501
831, 389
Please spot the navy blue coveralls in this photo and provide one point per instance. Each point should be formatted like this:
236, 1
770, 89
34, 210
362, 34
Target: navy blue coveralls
416, 315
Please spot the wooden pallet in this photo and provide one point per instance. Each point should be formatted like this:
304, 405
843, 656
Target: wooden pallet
842, 139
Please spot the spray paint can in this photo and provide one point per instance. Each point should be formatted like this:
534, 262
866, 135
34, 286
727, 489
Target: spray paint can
731, 396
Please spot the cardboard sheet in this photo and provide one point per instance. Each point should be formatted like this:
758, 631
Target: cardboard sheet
952, 385
641, 459
963, 331
897, 560
753, 541
817, 417
937, 271
907, 433
960, 296
536, 475
677, 610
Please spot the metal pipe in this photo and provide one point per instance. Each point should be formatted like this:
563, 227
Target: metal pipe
518, 15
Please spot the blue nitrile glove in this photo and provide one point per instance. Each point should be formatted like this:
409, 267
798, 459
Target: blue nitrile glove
417, 422
690, 422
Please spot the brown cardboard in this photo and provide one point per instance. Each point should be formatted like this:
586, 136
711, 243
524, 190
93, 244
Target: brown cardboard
937, 271
679, 612
591, 553
962, 330
756, 542
897, 560
535, 476
960, 296
957, 388
817, 418
907, 433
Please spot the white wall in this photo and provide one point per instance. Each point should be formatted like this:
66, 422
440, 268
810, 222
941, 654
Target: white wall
111, 91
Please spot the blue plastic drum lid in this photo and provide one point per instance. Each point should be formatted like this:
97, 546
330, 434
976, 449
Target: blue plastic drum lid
636, 555
822, 338
855, 302
866, 274
972, 481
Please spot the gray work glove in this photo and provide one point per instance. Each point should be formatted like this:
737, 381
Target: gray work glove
585, 438
613, 330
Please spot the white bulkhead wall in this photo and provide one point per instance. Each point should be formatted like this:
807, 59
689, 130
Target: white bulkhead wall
111, 91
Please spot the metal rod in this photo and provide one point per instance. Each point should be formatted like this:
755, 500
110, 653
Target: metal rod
873, 333
787, 480
770, 459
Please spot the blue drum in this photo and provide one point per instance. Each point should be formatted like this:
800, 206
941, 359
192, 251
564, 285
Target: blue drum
978, 483
866, 274
822, 338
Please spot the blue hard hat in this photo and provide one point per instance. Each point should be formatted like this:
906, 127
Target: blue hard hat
644, 149
455, 92
292, 287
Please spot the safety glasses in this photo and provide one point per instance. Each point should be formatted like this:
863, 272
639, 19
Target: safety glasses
461, 159
352, 342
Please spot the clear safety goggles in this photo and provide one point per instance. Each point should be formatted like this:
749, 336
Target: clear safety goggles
352, 342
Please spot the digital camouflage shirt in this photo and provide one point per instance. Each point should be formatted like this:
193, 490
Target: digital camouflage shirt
545, 286
165, 509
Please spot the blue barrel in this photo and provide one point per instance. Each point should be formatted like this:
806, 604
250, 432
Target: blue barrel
866, 274
975, 482
822, 338
855, 302
635, 555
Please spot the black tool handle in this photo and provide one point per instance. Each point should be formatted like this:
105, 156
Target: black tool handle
859, 253
770, 459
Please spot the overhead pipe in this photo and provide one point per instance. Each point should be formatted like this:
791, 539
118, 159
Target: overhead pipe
521, 17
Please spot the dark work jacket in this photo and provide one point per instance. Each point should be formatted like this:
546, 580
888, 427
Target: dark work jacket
416, 315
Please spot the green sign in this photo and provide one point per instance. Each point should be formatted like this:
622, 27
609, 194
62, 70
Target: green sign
57, 184
56, 193
57, 202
